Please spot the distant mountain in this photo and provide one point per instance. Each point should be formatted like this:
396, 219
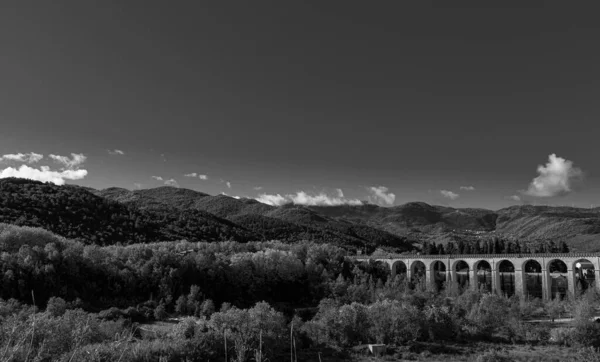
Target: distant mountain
75, 212
167, 213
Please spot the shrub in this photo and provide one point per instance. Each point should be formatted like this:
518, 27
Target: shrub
56, 306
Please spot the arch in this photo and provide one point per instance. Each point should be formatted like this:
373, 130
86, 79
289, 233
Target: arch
532, 273
399, 269
483, 271
438, 272
585, 275
506, 273
461, 270
558, 282
418, 272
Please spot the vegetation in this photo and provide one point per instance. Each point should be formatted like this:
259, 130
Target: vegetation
65, 300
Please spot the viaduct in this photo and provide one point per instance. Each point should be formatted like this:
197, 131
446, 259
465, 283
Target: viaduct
570, 272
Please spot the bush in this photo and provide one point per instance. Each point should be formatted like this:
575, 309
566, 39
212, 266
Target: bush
56, 306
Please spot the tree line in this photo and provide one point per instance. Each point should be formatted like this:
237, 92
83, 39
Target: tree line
495, 245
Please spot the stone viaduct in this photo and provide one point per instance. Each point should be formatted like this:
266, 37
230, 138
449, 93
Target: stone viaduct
520, 270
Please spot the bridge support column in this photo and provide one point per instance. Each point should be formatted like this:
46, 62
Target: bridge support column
597, 279
571, 280
473, 282
429, 277
546, 285
519, 283
496, 282
393, 273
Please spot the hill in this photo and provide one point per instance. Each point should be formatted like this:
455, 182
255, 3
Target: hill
117, 215
75, 212
166, 213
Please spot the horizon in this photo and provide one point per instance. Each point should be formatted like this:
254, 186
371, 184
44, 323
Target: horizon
316, 104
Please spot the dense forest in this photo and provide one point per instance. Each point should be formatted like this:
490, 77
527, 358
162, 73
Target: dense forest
62, 299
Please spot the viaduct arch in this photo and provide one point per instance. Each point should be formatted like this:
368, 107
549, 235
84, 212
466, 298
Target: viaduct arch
544, 276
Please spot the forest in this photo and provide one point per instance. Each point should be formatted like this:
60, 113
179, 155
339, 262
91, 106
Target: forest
66, 300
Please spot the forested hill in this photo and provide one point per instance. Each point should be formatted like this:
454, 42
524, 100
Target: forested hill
164, 214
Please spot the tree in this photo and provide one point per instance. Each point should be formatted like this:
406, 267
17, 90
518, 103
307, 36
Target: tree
56, 306
160, 312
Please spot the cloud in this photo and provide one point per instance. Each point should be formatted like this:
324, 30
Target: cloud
30, 157
515, 198
157, 178
235, 197
116, 152
467, 188
257, 188
137, 185
449, 194
43, 174
76, 160
171, 182
340, 193
554, 179
228, 184
303, 198
275, 200
194, 174
380, 195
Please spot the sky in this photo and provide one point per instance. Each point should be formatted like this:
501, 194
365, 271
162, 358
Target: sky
465, 104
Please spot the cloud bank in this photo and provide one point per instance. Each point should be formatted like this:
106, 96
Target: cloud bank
30, 157
555, 178
70, 171
43, 174
381, 196
303, 198
449, 194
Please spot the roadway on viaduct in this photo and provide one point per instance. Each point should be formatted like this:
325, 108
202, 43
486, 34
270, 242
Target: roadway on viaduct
575, 267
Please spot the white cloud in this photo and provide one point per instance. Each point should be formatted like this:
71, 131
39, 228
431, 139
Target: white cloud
515, 197
340, 193
235, 197
75, 161
449, 194
380, 195
137, 185
257, 188
228, 184
30, 157
43, 174
275, 200
193, 174
203, 177
467, 188
157, 178
554, 179
116, 152
171, 182
303, 198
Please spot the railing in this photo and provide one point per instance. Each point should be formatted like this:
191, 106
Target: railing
477, 256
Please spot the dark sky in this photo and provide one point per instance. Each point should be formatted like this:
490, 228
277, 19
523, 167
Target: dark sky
310, 96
